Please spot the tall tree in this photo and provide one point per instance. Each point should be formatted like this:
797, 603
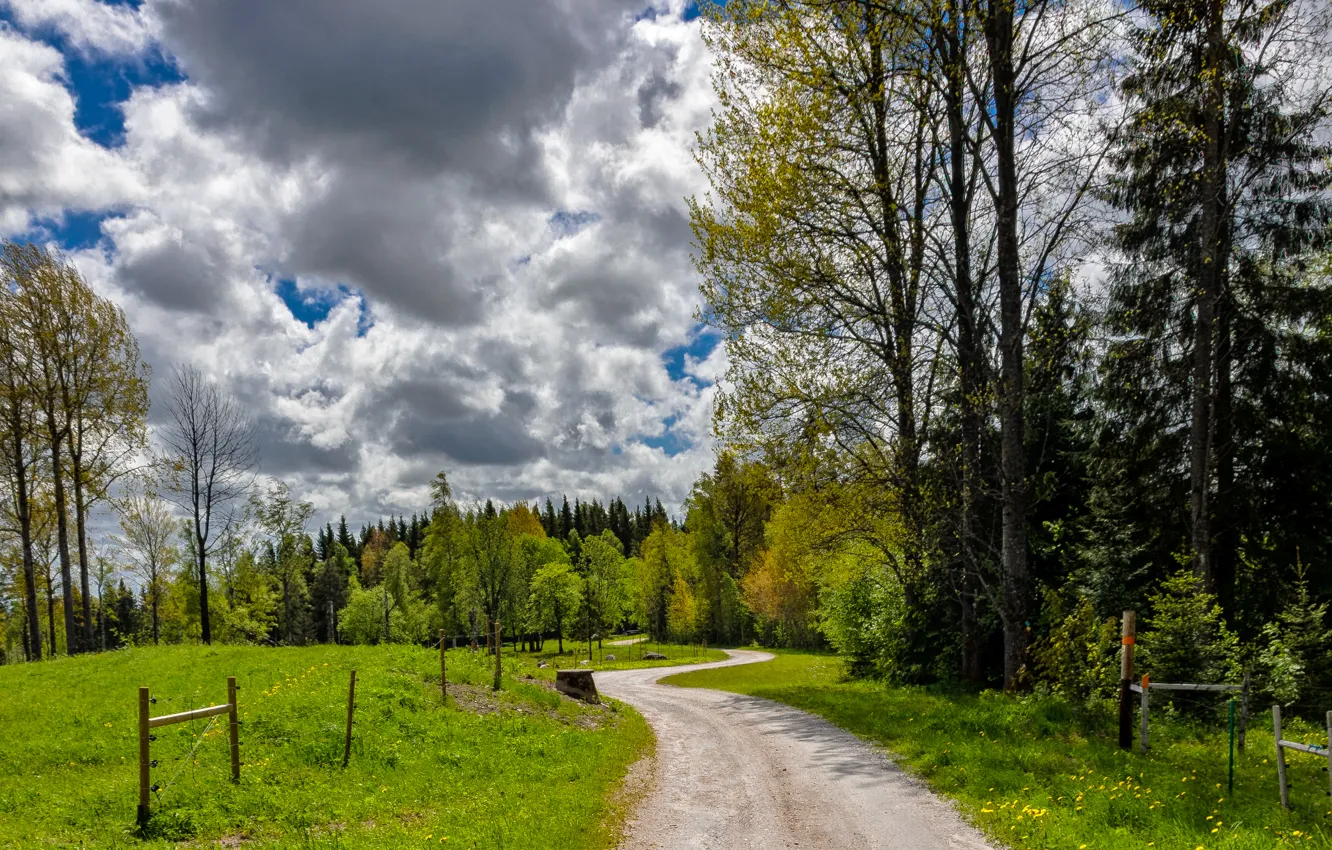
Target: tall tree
1222, 171
19, 431
210, 460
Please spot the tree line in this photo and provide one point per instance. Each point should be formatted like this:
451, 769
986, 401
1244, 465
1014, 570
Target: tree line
903, 198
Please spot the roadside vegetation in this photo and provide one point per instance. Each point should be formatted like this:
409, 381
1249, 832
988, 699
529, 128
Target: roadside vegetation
520, 768
1036, 772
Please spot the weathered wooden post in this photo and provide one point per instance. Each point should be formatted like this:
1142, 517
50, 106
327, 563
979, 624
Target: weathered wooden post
1244, 712
1146, 686
144, 777
1281, 756
235, 729
351, 706
1126, 682
443, 671
498, 654
1329, 752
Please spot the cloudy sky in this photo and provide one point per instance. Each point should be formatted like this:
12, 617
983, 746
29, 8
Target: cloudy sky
410, 235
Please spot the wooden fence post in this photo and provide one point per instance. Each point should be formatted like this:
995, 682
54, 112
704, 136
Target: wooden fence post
1281, 756
1329, 752
443, 671
1125, 681
143, 757
498, 654
351, 706
1244, 711
235, 729
1146, 685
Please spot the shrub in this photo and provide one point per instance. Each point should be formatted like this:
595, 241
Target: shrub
1079, 658
1187, 639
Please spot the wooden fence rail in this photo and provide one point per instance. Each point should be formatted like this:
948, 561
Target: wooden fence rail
147, 723
1313, 749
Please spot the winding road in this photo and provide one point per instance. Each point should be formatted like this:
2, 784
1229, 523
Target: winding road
739, 771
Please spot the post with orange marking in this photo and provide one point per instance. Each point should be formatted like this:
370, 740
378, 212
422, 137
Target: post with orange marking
1126, 682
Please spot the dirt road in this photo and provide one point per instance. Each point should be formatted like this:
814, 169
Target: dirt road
737, 771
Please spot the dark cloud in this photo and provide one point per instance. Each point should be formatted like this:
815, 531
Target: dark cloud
469, 436
432, 85
650, 96
178, 276
390, 240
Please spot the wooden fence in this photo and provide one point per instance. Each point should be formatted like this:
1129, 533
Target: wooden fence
148, 723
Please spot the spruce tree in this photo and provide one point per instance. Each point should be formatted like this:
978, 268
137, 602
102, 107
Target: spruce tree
1221, 169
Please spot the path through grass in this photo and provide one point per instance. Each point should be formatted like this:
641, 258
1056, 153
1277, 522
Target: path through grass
1032, 774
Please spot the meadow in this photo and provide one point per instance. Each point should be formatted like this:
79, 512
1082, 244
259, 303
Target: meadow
520, 768
1032, 772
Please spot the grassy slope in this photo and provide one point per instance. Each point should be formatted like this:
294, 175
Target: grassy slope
626, 657
1023, 771
526, 769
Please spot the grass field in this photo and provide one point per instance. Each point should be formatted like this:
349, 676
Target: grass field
525, 768
626, 657
1031, 774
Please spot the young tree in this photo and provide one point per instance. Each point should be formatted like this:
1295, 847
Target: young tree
210, 459
148, 542
556, 594
282, 519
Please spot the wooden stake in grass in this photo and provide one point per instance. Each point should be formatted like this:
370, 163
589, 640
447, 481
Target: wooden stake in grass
443, 671
235, 729
498, 668
1125, 682
1329, 752
143, 757
1146, 688
1281, 756
351, 706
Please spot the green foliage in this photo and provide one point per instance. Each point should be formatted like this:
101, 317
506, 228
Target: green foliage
1294, 657
1079, 656
1186, 639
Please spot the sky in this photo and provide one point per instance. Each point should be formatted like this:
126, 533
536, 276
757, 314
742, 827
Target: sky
409, 235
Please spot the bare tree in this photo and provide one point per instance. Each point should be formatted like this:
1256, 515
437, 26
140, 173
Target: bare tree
149, 543
210, 460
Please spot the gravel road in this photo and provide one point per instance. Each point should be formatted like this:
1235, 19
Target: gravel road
737, 771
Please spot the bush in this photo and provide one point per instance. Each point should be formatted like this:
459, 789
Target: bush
1187, 639
1295, 652
1079, 658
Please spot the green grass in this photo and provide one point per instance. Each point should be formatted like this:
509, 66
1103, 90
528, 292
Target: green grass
524, 768
1032, 774
626, 657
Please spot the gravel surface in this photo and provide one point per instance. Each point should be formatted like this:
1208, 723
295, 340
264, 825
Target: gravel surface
739, 771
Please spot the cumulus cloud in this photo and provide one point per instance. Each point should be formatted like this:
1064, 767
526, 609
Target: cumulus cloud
484, 200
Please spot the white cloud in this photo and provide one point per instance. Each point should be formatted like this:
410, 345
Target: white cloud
521, 379
104, 28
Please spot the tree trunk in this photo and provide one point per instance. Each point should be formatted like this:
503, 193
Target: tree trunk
80, 530
62, 537
156, 632
1224, 552
968, 343
50, 612
205, 630
1209, 279
999, 40
34, 617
